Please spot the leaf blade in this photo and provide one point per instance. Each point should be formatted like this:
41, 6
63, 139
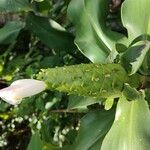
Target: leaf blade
50, 32
128, 130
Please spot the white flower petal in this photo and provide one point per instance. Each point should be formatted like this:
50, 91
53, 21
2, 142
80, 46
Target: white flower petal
20, 89
8, 94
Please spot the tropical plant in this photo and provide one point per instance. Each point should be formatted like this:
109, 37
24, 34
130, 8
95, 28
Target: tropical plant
109, 91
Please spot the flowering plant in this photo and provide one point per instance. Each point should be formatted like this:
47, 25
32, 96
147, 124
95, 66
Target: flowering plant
97, 98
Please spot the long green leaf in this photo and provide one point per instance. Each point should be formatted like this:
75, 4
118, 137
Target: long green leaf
92, 36
50, 32
130, 130
92, 130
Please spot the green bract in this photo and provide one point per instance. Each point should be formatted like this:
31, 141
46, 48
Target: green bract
93, 80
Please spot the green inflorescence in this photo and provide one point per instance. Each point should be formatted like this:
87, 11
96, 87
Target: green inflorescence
92, 80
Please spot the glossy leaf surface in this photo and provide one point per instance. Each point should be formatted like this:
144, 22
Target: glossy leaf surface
92, 36
130, 129
133, 58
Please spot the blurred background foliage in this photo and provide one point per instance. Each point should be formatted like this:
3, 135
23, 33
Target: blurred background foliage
36, 34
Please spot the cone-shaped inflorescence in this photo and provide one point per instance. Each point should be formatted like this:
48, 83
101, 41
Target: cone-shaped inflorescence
92, 80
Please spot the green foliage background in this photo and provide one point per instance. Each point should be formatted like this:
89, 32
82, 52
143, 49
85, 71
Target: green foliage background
86, 106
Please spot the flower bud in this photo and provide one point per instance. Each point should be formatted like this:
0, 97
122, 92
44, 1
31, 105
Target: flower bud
20, 89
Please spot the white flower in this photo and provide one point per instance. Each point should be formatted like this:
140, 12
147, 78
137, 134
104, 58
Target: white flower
20, 89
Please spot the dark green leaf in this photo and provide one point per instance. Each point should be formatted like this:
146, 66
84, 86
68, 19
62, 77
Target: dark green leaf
145, 68
92, 130
133, 58
50, 32
130, 93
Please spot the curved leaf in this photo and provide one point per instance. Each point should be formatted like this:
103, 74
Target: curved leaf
92, 36
50, 32
133, 58
130, 130
136, 17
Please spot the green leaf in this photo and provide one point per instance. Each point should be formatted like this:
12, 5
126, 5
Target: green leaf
35, 142
93, 38
14, 5
10, 31
50, 32
49, 146
43, 6
136, 17
81, 101
109, 103
92, 130
90, 80
130, 93
145, 68
4, 106
133, 58
130, 130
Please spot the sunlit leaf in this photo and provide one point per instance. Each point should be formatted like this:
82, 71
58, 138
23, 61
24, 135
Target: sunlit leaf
130, 130
92, 36
136, 17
